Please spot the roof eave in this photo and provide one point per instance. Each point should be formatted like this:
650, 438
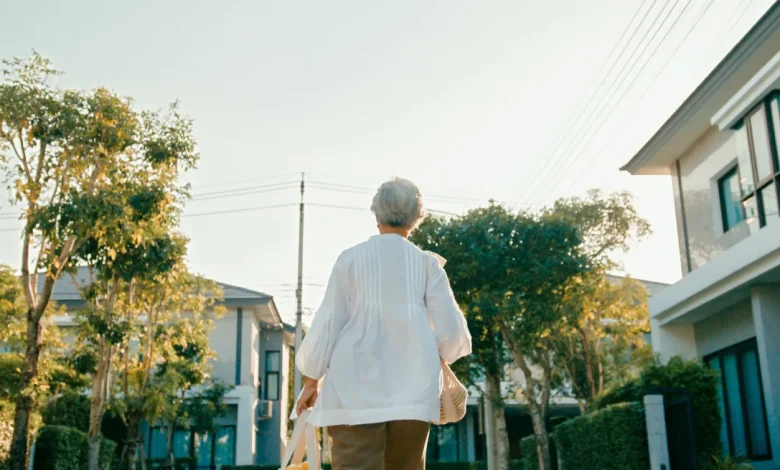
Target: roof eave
641, 163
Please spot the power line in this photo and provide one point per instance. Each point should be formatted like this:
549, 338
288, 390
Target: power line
550, 159
245, 190
597, 113
246, 209
700, 16
550, 185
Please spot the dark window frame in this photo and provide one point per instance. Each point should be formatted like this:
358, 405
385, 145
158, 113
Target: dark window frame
744, 125
277, 373
738, 349
732, 172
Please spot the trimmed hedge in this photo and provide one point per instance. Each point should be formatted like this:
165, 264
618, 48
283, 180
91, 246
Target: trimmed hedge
529, 459
64, 448
701, 383
514, 465
70, 410
614, 438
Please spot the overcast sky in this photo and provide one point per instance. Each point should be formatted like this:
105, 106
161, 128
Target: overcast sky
469, 99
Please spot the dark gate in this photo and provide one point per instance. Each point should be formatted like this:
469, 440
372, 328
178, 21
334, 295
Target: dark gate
680, 433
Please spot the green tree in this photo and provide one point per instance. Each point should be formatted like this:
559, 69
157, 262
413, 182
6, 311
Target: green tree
63, 153
165, 355
601, 344
510, 273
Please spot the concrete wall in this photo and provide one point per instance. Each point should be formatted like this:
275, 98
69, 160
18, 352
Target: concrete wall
700, 167
727, 327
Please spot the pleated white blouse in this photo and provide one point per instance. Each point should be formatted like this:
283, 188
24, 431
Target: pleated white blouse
388, 315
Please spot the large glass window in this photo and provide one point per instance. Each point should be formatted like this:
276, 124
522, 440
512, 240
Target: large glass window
208, 449
730, 204
758, 139
273, 360
744, 430
443, 444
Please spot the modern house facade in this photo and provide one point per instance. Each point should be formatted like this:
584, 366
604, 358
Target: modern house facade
721, 149
252, 347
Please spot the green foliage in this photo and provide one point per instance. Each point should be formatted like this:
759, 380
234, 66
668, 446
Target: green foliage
529, 459
513, 465
64, 448
614, 438
700, 382
10, 377
70, 409
6, 431
729, 462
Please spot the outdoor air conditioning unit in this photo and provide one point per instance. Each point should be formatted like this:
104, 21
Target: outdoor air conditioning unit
265, 410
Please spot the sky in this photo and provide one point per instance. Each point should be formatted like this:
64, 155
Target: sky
516, 100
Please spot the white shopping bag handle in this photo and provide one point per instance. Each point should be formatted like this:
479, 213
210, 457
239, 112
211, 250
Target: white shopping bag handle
297, 446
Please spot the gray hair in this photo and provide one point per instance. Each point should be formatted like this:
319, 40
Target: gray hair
398, 203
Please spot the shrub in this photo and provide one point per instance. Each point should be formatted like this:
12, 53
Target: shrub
529, 459
700, 382
70, 409
64, 448
10, 377
6, 431
614, 438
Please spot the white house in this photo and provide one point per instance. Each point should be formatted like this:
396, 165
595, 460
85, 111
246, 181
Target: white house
252, 348
720, 148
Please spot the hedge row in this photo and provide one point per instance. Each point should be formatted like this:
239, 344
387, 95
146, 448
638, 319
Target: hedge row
701, 384
64, 448
514, 465
614, 438
529, 459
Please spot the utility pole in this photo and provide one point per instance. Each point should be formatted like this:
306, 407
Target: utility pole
299, 293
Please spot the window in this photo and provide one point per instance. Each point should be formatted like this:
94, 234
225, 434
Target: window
730, 205
443, 444
208, 449
758, 172
273, 361
744, 429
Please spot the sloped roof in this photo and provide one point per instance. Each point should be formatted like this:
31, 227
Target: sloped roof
66, 291
653, 287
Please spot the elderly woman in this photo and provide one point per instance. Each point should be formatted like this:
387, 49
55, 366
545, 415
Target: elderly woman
370, 360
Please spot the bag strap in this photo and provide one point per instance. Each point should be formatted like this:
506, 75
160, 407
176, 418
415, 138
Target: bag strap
302, 441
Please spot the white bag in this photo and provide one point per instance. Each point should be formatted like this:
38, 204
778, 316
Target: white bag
453, 397
303, 441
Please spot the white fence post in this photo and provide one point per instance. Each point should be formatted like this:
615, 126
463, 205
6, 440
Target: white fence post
656, 432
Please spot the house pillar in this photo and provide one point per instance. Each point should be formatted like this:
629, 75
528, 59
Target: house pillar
245, 425
673, 340
655, 420
765, 301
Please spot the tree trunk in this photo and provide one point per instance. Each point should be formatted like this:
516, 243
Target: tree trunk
93, 458
500, 451
24, 403
542, 441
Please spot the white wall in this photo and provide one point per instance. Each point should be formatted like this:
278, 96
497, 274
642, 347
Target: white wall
222, 340
725, 328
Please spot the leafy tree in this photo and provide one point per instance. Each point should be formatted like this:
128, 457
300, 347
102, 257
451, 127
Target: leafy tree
65, 155
165, 355
510, 273
602, 343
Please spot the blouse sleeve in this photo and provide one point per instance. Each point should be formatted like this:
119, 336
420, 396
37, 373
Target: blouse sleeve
313, 357
449, 324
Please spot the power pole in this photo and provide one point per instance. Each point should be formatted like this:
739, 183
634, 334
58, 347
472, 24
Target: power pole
299, 293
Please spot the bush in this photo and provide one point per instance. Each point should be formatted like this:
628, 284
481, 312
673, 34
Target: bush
700, 382
70, 409
10, 376
614, 438
64, 448
6, 431
529, 459
514, 465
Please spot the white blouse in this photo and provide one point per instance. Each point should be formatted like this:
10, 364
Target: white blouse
388, 315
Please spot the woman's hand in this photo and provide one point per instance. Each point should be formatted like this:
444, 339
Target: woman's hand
308, 395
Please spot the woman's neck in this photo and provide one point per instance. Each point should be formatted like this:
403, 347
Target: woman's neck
386, 229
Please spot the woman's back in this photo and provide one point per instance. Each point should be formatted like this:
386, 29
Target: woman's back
387, 316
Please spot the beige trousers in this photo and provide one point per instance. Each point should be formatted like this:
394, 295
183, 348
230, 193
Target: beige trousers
395, 445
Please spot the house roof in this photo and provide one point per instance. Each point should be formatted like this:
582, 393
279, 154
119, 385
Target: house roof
66, 291
653, 287
693, 118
